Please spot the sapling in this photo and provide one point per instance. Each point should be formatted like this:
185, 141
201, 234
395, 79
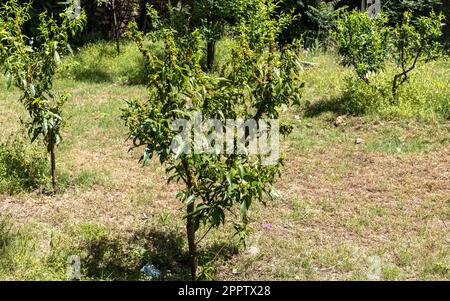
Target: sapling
120, 12
362, 42
30, 64
415, 42
367, 44
219, 175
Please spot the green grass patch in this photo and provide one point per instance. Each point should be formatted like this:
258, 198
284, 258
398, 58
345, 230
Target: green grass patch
24, 167
425, 95
100, 63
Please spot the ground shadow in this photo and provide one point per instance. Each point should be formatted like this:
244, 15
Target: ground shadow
98, 76
130, 74
336, 105
116, 259
93, 75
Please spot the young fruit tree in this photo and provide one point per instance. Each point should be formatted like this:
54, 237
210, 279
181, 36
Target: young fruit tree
216, 160
367, 44
120, 12
30, 64
212, 17
415, 42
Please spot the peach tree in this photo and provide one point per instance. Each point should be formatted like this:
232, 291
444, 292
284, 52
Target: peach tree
259, 82
30, 64
413, 42
367, 44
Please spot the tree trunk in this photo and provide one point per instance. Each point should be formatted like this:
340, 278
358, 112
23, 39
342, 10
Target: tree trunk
53, 165
190, 230
190, 227
211, 54
143, 16
116, 26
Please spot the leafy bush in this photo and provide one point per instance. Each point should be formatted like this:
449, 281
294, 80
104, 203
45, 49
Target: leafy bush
362, 43
396, 9
425, 96
22, 166
370, 45
362, 99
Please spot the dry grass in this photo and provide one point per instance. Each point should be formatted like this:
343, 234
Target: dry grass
341, 202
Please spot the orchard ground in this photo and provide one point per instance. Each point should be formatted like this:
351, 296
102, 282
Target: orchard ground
354, 186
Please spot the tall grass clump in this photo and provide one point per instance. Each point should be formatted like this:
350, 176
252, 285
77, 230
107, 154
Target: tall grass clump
23, 166
425, 95
99, 62
25, 256
5, 232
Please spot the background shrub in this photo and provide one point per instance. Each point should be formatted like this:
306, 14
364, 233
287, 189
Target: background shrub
395, 9
426, 94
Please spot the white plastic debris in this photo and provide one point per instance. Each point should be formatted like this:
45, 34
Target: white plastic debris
151, 271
